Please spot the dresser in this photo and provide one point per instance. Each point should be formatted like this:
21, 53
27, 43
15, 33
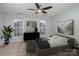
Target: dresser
31, 36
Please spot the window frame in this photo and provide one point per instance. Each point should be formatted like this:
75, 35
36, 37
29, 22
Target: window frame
40, 27
18, 27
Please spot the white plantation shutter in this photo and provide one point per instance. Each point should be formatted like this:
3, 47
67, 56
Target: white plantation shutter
42, 26
18, 27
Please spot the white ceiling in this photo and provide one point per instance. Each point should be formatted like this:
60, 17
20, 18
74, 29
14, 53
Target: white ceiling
15, 8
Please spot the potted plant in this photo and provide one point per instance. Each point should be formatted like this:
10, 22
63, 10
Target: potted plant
6, 34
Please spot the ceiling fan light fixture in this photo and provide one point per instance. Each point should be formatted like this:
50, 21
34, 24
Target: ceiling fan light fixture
39, 11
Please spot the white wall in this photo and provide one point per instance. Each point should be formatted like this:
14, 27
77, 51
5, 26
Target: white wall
1, 23
66, 15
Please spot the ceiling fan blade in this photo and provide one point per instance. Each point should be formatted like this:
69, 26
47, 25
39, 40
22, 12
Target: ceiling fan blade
47, 8
36, 12
44, 12
37, 5
31, 9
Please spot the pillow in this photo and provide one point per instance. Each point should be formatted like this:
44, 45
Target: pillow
53, 37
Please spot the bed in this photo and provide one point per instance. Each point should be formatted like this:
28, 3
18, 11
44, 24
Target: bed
51, 45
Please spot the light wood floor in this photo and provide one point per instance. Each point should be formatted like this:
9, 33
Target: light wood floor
13, 49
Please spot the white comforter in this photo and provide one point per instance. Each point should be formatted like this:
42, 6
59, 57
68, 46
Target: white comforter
57, 41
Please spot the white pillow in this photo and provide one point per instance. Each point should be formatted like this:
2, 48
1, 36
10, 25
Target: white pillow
53, 37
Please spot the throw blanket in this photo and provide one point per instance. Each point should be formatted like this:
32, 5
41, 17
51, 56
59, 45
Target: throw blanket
42, 44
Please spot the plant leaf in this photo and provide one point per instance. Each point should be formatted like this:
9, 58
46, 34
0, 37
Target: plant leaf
2, 36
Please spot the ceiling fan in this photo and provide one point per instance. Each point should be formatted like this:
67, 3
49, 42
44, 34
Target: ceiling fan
39, 9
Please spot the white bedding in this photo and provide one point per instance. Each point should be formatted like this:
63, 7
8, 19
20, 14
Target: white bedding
57, 41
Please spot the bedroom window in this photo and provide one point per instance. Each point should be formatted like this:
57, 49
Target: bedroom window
42, 26
18, 27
